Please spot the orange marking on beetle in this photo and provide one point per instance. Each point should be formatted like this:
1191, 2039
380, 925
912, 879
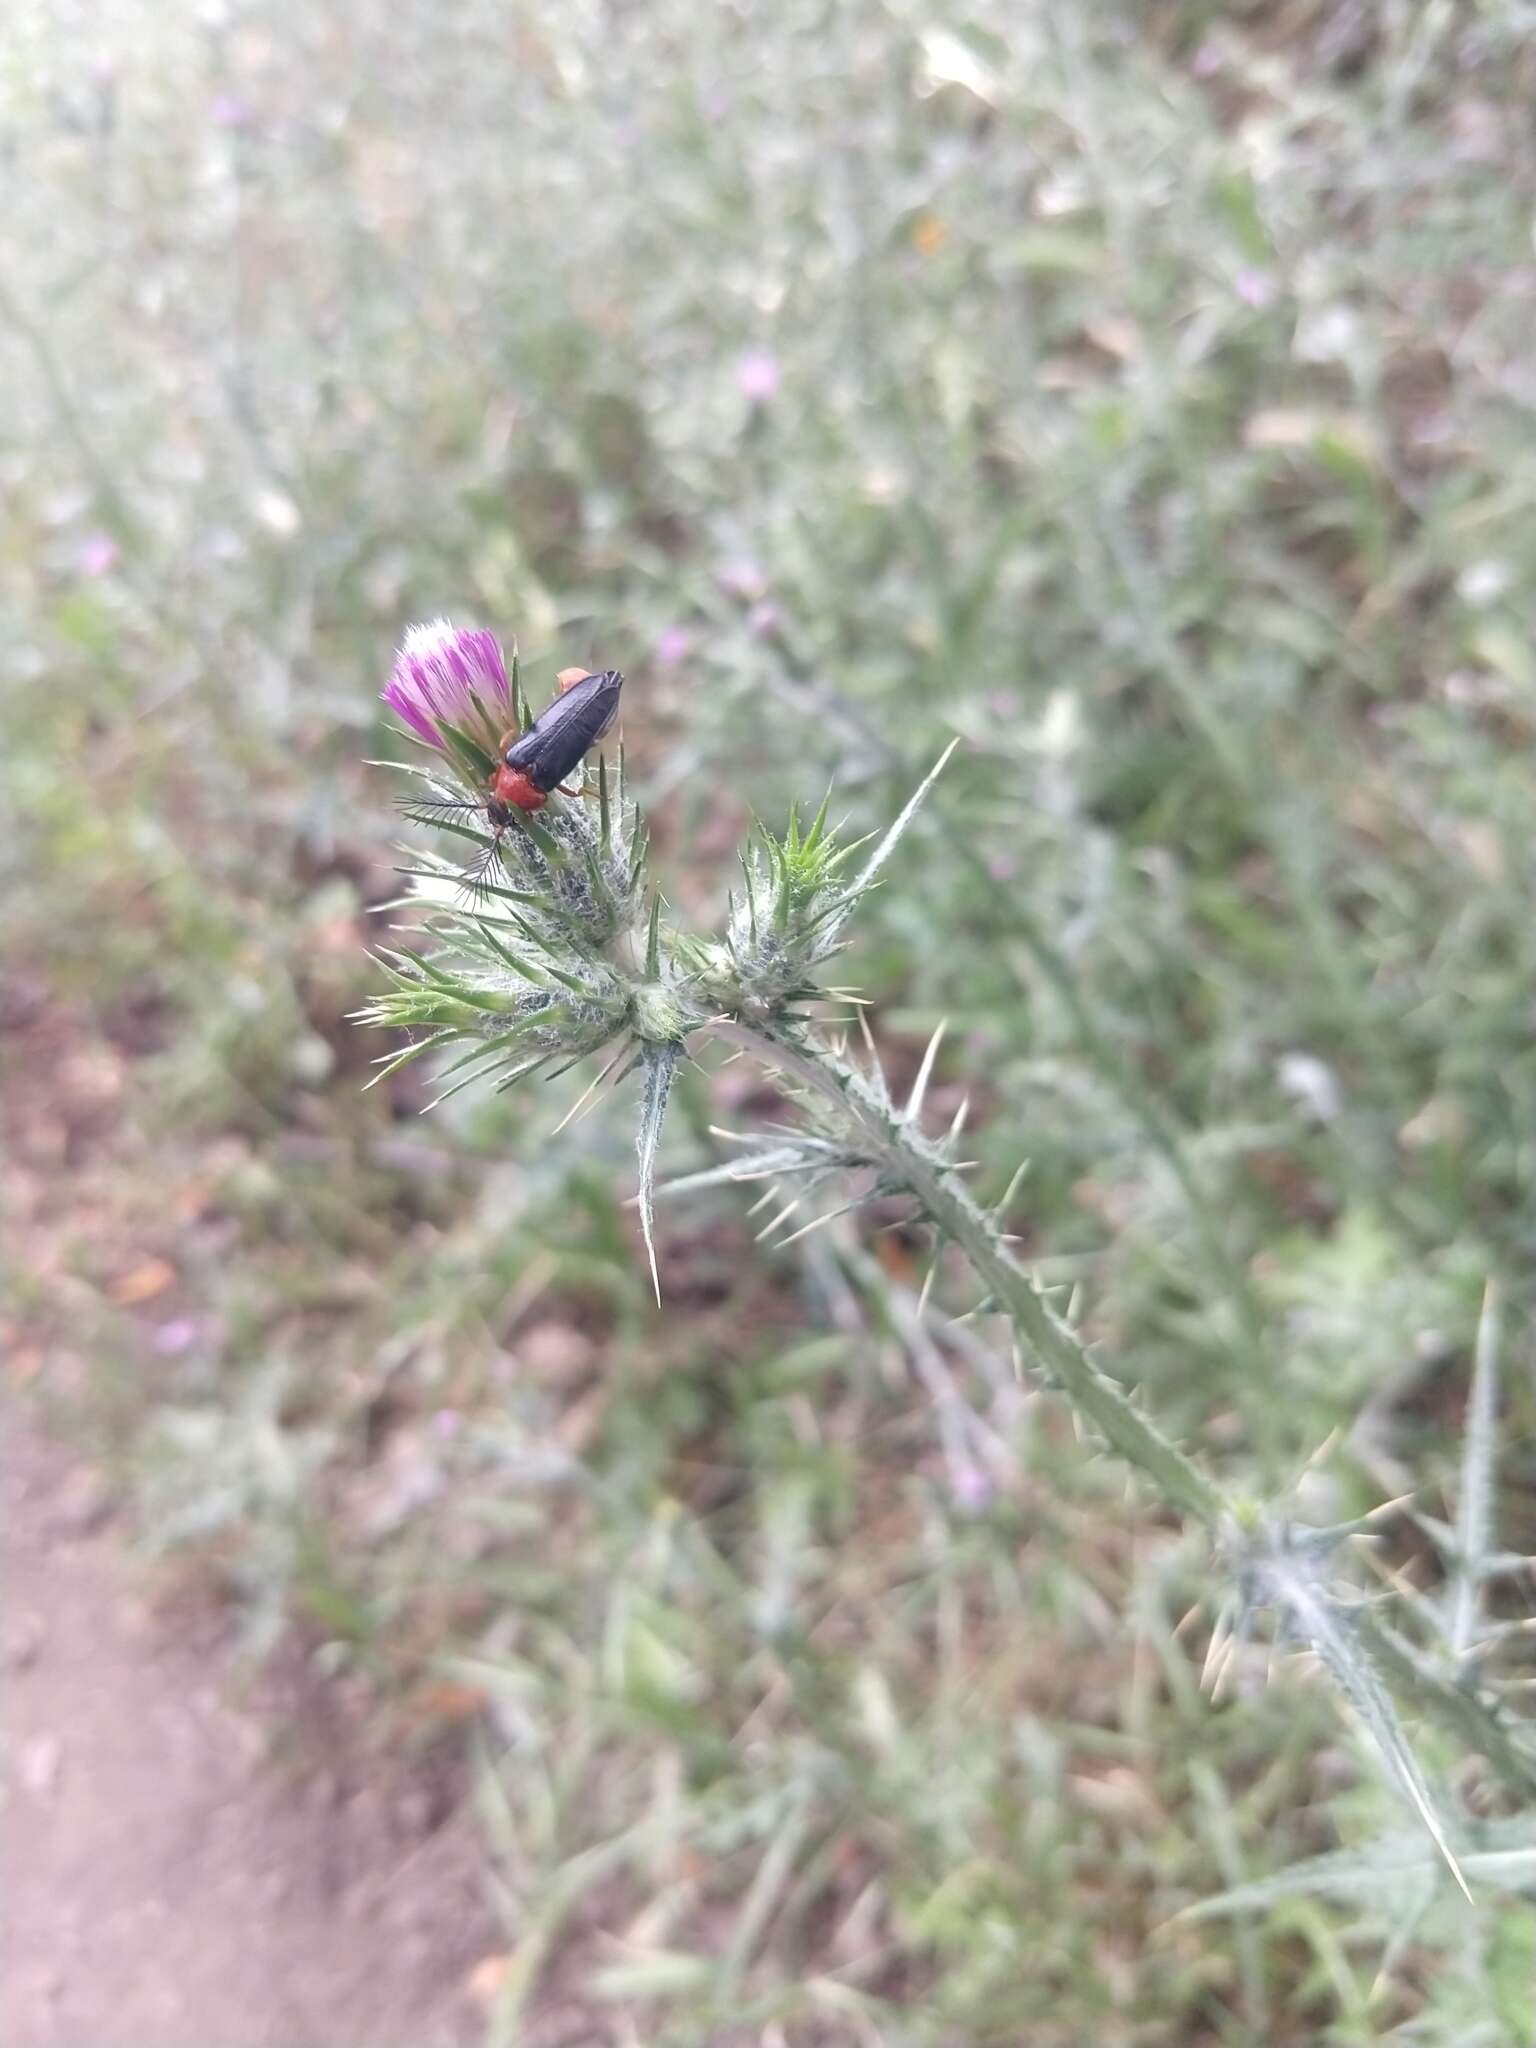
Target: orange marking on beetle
512, 786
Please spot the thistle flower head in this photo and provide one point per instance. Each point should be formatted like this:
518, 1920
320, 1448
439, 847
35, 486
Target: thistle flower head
451, 683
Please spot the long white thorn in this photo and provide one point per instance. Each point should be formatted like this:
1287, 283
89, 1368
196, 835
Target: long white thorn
1215, 1651
925, 1072
1002, 1207
783, 1217
585, 1098
816, 1223
926, 1288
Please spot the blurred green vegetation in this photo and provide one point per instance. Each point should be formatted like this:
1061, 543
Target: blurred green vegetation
1143, 393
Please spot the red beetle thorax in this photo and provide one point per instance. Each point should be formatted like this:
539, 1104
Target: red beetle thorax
512, 786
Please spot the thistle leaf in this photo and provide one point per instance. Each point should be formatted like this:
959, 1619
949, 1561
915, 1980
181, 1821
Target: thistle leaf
541, 836
520, 706
1326, 1627
439, 824
1474, 1509
893, 835
660, 1063
791, 1158
469, 753
1500, 1856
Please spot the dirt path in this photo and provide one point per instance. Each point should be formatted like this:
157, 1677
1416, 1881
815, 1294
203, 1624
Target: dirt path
163, 1884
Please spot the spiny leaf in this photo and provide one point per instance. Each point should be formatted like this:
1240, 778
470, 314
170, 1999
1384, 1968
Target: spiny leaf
426, 772
601, 893
468, 752
1326, 1627
660, 1063
637, 853
508, 958
893, 834
1502, 1857
846, 853
574, 982
438, 824
446, 873
541, 836
746, 871
1474, 1509
520, 707
756, 1166
394, 1061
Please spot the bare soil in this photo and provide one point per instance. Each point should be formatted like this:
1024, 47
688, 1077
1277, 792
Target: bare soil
178, 1873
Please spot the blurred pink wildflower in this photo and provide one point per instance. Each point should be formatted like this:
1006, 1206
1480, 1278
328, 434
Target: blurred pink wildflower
757, 376
1253, 287
741, 577
98, 554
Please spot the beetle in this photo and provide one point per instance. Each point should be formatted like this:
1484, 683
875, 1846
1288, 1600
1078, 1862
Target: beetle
536, 762
531, 764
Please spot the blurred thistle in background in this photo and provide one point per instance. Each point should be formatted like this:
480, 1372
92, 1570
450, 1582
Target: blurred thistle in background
1140, 395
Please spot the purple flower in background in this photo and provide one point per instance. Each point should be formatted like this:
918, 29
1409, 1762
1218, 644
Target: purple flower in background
98, 554
970, 1488
1207, 60
757, 376
741, 577
673, 644
445, 675
227, 110
1253, 287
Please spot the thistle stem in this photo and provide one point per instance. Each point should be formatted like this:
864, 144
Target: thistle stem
949, 1205
903, 1151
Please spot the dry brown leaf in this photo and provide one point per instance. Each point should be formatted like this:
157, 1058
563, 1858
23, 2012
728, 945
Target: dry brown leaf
143, 1282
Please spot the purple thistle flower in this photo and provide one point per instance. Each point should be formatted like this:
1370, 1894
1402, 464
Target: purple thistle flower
445, 675
673, 644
